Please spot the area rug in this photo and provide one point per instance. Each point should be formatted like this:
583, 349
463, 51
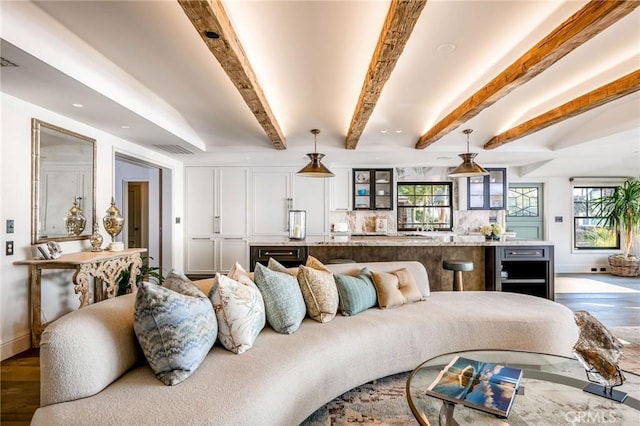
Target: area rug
383, 401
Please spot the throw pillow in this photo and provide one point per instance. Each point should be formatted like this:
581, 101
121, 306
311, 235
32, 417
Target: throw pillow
395, 288
283, 302
357, 293
276, 266
176, 329
238, 273
240, 313
318, 290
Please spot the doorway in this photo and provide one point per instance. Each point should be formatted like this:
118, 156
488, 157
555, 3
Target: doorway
137, 208
144, 191
525, 210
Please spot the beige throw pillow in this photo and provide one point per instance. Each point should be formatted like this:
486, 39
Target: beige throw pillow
318, 290
395, 288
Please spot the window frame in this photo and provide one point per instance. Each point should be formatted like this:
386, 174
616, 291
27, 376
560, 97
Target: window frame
400, 208
588, 189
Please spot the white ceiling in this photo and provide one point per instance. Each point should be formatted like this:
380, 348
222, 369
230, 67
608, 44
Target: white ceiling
142, 64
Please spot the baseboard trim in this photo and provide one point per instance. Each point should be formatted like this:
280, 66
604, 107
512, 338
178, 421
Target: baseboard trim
15, 346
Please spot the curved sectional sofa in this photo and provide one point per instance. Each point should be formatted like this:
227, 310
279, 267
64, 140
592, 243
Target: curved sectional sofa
93, 370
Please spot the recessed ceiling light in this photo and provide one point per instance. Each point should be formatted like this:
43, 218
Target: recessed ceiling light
398, 131
446, 48
383, 131
77, 105
124, 127
443, 158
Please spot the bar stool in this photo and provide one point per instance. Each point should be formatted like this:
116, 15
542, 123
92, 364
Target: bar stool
457, 266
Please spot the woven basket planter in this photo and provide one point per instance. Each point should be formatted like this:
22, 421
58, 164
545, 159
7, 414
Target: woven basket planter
624, 267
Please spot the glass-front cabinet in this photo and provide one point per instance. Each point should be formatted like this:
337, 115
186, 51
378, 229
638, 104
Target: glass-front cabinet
487, 192
373, 189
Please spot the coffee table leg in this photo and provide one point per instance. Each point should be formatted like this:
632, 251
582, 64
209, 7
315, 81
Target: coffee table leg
446, 414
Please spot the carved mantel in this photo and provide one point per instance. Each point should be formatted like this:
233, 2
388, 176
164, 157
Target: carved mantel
105, 268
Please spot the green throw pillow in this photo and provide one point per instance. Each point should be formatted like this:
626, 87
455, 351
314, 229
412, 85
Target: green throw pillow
357, 293
283, 300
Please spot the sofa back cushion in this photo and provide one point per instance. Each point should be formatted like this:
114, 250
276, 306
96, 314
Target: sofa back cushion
417, 270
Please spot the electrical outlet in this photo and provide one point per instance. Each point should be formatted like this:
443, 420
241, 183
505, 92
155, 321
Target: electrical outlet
8, 248
10, 226
594, 269
603, 269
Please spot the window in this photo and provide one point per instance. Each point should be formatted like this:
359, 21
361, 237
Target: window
523, 201
588, 230
425, 205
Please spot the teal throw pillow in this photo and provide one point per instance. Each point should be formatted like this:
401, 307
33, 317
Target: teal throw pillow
357, 293
176, 329
283, 301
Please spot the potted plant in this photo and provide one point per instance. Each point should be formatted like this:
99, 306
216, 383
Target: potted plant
620, 211
145, 272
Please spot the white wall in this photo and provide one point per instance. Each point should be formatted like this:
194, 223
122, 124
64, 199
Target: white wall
15, 203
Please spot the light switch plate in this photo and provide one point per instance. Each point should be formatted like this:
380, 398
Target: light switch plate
10, 228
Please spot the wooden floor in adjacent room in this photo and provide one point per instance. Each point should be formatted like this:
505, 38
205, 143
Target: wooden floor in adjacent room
615, 301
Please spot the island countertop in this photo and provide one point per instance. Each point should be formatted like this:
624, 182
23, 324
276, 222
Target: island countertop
367, 241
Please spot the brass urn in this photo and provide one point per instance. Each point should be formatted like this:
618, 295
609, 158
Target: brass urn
75, 220
113, 222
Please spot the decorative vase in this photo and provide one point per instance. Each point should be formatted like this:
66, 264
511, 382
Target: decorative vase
75, 220
113, 223
96, 238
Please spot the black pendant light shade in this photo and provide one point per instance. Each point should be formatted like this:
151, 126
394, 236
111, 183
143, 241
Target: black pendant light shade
315, 168
468, 167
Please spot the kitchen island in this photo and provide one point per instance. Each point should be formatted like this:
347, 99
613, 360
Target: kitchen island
509, 264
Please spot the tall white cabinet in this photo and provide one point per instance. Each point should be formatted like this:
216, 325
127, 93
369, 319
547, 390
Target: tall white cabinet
217, 218
275, 190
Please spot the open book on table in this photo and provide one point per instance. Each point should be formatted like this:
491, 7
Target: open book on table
481, 385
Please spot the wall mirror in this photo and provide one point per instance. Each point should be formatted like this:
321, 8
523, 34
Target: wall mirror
63, 191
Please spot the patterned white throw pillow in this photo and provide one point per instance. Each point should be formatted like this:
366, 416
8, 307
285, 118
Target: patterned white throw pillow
240, 313
175, 328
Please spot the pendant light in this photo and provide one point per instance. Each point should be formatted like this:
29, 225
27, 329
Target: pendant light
468, 167
315, 168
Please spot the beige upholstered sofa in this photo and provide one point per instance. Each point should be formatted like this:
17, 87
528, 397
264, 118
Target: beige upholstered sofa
93, 371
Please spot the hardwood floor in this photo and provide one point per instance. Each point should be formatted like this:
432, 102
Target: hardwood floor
20, 389
615, 301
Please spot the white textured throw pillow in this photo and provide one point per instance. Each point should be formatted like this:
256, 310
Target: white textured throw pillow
240, 313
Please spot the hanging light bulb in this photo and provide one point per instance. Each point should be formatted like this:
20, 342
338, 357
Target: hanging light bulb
315, 168
468, 167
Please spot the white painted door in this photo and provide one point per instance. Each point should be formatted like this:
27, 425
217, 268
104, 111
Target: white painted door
340, 190
232, 201
199, 190
201, 255
310, 194
271, 189
232, 250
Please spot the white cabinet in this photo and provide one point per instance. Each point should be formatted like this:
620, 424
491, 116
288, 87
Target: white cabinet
208, 255
275, 190
217, 201
217, 218
311, 194
340, 190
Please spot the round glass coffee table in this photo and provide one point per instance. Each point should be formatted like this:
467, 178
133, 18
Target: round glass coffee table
551, 393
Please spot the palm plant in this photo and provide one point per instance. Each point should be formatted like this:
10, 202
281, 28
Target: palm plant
145, 272
620, 211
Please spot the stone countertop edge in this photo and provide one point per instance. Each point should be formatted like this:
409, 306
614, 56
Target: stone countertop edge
409, 242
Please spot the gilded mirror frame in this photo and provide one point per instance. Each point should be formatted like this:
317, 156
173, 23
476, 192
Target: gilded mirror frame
37, 189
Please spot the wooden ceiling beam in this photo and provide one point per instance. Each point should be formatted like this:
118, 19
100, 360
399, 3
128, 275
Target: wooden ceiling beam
623, 86
398, 26
583, 25
210, 19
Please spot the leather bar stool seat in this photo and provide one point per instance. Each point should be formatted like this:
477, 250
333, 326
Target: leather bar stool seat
458, 267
